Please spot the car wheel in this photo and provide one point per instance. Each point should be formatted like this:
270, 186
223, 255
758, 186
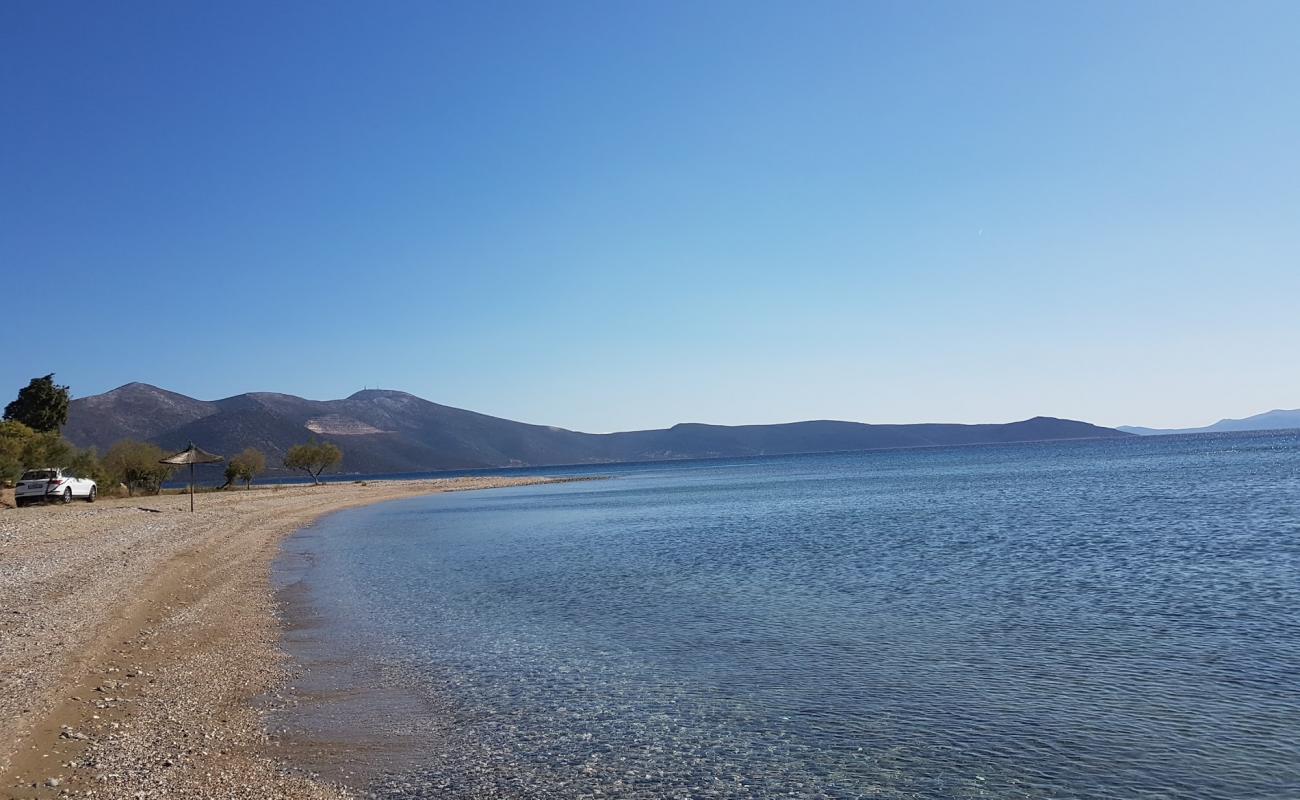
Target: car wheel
90, 498
67, 495
19, 502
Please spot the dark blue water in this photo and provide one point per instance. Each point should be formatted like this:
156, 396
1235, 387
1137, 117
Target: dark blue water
1098, 619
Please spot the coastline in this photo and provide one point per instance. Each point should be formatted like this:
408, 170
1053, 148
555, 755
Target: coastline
135, 639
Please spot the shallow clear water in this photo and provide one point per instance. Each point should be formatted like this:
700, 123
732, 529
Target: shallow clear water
1099, 619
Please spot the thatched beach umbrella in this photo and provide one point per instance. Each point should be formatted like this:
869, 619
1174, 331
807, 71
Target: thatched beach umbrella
192, 455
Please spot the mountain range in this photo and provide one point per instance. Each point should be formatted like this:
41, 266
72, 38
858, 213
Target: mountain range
1277, 419
384, 431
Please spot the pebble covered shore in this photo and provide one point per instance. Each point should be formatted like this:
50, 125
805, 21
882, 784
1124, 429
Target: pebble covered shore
139, 643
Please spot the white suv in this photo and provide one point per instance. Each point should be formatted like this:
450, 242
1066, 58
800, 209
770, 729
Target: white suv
38, 485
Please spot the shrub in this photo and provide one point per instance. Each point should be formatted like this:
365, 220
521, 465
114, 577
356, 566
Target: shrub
14, 437
22, 448
135, 464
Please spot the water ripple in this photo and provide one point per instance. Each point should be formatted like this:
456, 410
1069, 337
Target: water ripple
1074, 620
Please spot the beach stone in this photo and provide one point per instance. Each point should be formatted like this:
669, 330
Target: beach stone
222, 624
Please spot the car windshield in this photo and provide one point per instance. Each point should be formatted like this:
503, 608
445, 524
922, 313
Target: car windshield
37, 475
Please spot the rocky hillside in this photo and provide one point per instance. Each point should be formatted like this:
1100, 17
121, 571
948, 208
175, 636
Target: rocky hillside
387, 431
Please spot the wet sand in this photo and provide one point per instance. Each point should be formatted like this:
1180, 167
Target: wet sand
140, 649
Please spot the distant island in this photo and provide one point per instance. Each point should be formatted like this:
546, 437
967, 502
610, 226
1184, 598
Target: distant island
389, 431
1277, 419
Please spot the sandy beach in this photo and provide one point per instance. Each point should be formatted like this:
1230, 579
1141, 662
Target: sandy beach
139, 642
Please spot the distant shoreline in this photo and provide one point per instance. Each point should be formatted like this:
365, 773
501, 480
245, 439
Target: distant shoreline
135, 642
596, 467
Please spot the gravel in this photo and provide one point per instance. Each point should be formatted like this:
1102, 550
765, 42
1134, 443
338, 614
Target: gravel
139, 651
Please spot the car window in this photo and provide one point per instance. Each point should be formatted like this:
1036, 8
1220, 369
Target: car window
37, 475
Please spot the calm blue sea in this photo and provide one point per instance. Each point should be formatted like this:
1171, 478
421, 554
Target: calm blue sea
1089, 619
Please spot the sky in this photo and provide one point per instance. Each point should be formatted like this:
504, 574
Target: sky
613, 216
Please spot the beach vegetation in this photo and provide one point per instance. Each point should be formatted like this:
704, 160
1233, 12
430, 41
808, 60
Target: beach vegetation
47, 449
41, 405
22, 448
14, 437
29, 435
313, 458
135, 465
245, 467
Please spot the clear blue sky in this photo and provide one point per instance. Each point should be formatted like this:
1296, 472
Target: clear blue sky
624, 215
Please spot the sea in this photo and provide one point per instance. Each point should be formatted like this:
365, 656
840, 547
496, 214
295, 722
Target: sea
1109, 618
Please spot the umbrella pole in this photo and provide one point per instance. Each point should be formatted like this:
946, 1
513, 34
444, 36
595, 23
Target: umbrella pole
191, 487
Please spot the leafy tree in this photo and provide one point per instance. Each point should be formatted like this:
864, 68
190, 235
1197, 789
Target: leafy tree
136, 465
86, 464
244, 467
22, 448
41, 405
46, 450
313, 458
14, 438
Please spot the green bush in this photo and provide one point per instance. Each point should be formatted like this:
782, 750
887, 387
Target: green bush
13, 444
135, 465
22, 448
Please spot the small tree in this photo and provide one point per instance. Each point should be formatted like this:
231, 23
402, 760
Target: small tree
86, 464
136, 465
41, 405
313, 458
47, 449
231, 474
14, 438
22, 448
244, 467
